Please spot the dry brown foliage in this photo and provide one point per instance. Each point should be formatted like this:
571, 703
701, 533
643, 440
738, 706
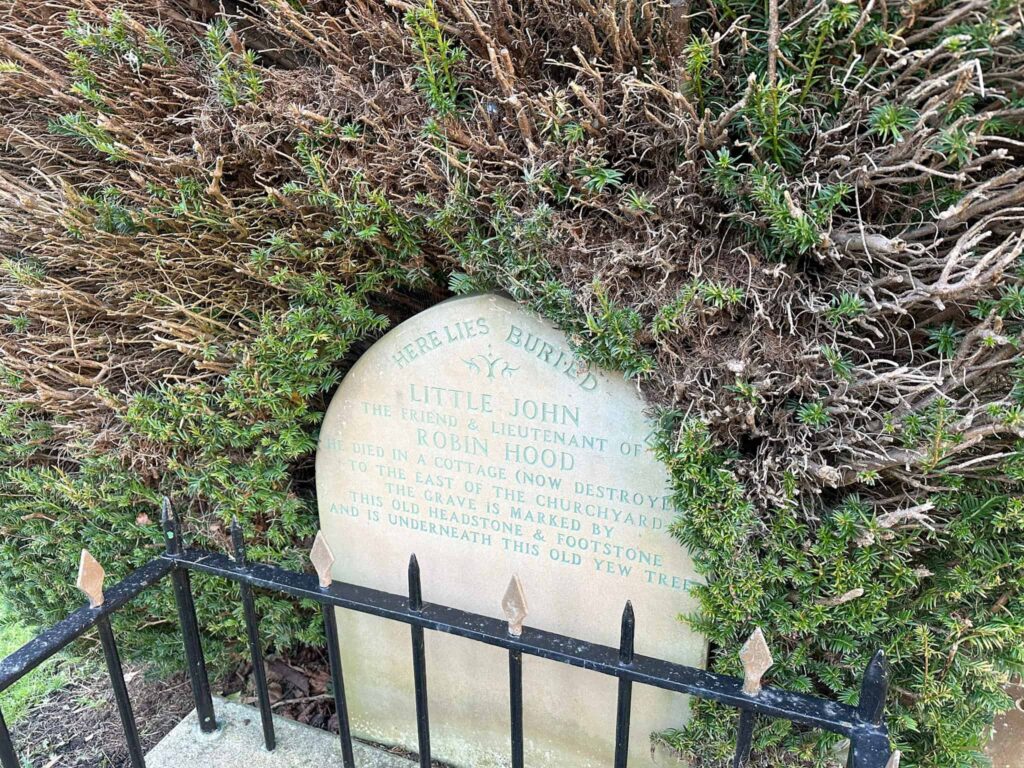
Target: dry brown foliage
114, 313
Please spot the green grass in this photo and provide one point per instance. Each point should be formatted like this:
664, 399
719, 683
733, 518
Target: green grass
33, 688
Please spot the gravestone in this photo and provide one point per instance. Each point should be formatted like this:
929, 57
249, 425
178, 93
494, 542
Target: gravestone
471, 436
1007, 747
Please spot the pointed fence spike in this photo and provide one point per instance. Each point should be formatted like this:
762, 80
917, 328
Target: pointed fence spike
627, 634
894, 760
237, 541
322, 559
415, 589
874, 688
90, 578
172, 537
757, 659
513, 604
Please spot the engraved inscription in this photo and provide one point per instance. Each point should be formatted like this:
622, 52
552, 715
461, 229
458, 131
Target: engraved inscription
495, 470
472, 436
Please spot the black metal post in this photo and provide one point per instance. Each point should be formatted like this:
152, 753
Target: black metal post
252, 631
8, 757
515, 697
194, 651
625, 702
189, 627
419, 665
338, 682
744, 739
874, 688
870, 748
124, 703
172, 534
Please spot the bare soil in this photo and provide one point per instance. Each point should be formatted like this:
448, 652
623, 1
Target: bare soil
299, 686
78, 724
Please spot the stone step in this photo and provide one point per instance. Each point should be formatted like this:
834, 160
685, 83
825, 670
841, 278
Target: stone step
239, 744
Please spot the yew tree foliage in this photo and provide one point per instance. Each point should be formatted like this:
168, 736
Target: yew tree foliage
797, 226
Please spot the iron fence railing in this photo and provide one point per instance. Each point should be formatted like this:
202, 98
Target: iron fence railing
862, 725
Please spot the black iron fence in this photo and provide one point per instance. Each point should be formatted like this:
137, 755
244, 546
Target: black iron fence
862, 725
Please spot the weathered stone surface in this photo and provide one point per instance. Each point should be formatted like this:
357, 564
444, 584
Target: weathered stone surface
1007, 747
470, 436
240, 745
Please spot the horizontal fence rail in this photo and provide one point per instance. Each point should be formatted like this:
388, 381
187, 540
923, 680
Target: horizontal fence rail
62, 634
797, 707
862, 725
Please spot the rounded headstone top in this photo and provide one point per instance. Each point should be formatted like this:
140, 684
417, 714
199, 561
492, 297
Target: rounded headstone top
472, 436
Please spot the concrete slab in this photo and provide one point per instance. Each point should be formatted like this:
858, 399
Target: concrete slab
239, 744
1007, 747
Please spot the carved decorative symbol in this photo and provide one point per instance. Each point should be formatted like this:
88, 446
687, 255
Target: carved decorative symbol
491, 364
757, 659
514, 606
90, 579
322, 559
